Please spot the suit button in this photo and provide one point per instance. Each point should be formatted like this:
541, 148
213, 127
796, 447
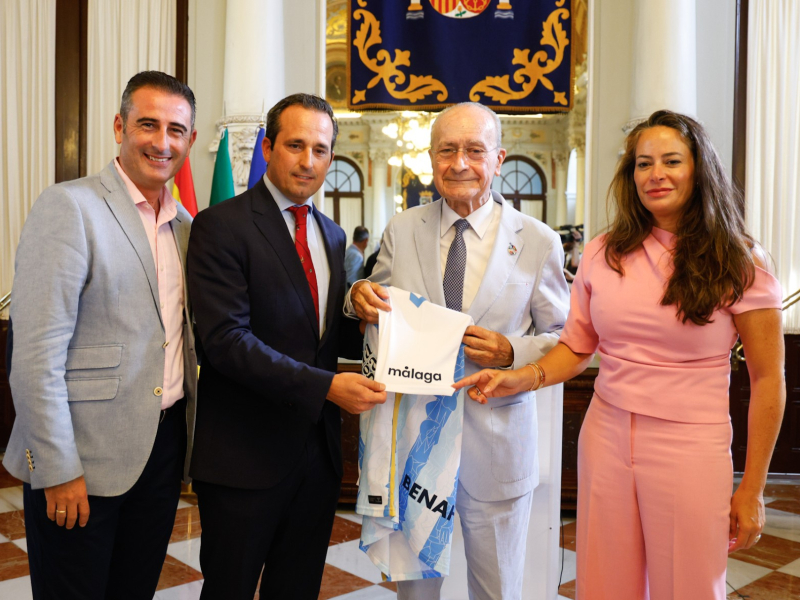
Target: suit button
165, 344
158, 391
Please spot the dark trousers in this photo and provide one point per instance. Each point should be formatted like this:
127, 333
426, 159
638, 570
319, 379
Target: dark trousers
120, 552
284, 529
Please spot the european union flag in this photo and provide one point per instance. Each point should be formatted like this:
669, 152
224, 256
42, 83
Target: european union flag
258, 166
513, 56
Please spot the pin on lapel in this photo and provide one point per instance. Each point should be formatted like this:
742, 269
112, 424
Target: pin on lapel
512, 249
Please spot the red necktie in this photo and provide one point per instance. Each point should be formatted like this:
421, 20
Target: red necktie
301, 245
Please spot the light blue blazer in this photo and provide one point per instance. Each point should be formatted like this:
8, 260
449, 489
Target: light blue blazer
88, 356
524, 296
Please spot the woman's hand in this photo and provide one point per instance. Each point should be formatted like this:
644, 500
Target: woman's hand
747, 519
491, 383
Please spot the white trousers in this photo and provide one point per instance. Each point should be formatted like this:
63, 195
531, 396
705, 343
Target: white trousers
495, 535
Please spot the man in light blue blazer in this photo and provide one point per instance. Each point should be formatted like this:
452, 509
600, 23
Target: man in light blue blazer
103, 373
471, 251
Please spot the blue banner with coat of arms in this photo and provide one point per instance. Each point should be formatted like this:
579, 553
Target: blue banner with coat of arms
513, 56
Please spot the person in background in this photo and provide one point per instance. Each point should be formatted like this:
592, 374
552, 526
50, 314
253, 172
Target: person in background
662, 297
354, 255
104, 372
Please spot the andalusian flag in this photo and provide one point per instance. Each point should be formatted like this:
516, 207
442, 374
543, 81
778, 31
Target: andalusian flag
183, 188
258, 166
222, 183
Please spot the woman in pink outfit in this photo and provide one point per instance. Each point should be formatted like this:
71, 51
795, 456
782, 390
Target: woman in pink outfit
662, 297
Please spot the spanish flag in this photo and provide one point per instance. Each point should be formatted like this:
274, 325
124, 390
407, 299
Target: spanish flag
183, 188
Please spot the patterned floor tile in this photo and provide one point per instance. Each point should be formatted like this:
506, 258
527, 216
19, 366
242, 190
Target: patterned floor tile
12, 524
7, 479
13, 562
782, 524
16, 589
175, 572
775, 586
569, 570
11, 499
567, 590
187, 524
742, 573
771, 552
22, 544
374, 592
389, 585
188, 591
791, 505
783, 491
349, 558
350, 516
344, 530
336, 582
568, 536
187, 551
793, 568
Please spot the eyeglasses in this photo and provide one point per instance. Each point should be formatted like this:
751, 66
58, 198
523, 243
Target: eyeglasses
473, 155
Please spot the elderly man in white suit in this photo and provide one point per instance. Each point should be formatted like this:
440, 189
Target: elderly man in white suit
471, 251
104, 372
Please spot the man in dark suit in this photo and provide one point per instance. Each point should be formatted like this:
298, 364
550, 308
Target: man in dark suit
267, 269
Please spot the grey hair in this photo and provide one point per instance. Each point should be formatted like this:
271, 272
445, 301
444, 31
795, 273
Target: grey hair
495, 120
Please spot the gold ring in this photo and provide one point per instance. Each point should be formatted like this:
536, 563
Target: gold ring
61, 512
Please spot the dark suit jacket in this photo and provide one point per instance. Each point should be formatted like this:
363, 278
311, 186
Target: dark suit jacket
265, 371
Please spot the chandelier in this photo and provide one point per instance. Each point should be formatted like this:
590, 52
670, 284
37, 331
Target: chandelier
412, 130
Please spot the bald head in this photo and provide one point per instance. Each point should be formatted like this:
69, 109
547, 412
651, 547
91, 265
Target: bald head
472, 109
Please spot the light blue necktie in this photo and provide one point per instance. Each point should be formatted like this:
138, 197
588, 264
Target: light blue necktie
455, 268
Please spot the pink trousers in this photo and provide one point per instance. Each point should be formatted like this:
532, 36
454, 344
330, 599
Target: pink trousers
653, 507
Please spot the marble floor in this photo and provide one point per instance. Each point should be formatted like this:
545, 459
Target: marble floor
769, 571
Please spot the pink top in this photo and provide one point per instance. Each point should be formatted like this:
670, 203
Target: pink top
169, 272
652, 363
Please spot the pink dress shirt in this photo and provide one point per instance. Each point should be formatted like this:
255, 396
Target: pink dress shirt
652, 363
169, 273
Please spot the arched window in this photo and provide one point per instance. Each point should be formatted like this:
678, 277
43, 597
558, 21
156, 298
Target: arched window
522, 183
344, 192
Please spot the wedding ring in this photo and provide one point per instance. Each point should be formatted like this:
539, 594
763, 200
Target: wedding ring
61, 512
758, 537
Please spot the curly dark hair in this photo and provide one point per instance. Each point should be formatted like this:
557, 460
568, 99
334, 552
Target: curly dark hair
713, 255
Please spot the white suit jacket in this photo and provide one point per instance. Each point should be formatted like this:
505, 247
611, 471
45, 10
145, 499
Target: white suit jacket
524, 296
88, 339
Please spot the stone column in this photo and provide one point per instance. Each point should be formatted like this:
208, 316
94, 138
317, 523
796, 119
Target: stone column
580, 185
664, 59
254, 76
380, 169
561, 160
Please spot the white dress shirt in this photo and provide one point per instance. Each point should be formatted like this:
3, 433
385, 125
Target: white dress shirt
479, 239
316, 245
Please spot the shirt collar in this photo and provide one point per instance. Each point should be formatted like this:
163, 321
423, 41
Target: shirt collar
478, 219
168, 206
282, 201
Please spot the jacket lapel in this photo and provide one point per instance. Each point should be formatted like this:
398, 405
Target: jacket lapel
127, 215
507, 248
336, 266
427, 237
181, 226
270, 222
